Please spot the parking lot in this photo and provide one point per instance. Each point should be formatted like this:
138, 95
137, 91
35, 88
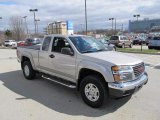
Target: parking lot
44, 100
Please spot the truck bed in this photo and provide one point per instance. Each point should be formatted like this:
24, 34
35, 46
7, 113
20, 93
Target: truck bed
34, 47
30, 51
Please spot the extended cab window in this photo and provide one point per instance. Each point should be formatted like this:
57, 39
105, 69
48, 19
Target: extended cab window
46, 43
59, 43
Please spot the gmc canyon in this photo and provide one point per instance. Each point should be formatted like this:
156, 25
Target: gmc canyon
83, 63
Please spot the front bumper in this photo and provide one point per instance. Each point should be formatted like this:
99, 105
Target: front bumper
127, 88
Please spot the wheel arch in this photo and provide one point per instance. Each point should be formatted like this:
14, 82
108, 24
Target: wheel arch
86, 72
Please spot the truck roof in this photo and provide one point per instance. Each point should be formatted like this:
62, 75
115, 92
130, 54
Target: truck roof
58, 35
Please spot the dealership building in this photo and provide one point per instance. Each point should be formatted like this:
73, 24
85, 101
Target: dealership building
60, 27
143, 25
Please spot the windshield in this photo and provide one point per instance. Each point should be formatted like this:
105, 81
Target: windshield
103, 40
87, 44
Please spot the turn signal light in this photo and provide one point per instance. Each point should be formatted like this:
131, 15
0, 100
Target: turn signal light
115, 68
116, 78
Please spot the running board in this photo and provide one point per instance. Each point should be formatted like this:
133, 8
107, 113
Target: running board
60, 81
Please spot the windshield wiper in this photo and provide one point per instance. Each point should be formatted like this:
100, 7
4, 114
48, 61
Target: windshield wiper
90, 51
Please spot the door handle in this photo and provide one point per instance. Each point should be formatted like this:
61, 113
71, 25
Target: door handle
51, 56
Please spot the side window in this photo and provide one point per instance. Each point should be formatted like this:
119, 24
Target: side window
46, 43
125, 38
121, 38
59, 43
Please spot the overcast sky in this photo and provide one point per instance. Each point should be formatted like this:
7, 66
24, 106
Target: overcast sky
98, 11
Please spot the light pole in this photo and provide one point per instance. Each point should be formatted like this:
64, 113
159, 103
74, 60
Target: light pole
37, 24
137, 16
34, 10
86, 17
112, 23
25, 18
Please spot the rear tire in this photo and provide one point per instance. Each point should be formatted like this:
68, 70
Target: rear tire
28, 71
131, 45
93, 91
123, 45
114, 48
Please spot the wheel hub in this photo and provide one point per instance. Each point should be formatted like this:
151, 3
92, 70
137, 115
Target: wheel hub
92, 92
26, 70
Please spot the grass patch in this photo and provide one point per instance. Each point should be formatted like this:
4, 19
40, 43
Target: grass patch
137, 50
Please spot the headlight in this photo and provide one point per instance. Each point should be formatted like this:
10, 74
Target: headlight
122, 73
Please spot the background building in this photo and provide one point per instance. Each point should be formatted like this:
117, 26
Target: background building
143, 25
57, 28
60, 27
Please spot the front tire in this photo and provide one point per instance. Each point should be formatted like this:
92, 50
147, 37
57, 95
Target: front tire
150, 47
28, 71
93, 91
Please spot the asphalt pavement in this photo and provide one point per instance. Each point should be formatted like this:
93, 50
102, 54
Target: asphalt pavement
40, 99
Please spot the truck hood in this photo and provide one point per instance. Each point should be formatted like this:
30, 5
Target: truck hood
113, 57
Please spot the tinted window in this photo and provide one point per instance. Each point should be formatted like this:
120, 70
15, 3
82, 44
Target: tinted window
124, 38
60, 43
156, 38
149, 38
46, 43
114, 38
29, 40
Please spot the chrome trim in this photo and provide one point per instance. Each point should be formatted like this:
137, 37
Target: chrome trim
61, 83
123, 86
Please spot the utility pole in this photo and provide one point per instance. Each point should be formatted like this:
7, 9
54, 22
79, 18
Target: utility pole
115, 25
37, 24
0, 17
86, 17
122, 27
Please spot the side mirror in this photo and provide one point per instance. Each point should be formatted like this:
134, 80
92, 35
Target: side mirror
67, 51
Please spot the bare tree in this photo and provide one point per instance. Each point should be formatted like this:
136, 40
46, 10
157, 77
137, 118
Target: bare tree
17, 27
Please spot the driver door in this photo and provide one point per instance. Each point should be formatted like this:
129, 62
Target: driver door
62, 65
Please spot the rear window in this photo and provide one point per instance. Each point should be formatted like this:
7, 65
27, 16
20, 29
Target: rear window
149, 38
156, 38
6, 41
114, 38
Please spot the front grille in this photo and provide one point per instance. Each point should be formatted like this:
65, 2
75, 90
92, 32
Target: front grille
138, 69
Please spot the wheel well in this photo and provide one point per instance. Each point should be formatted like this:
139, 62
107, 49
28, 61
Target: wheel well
24, 59
85, 72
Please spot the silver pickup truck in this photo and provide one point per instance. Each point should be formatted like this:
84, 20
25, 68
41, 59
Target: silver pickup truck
84, 63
